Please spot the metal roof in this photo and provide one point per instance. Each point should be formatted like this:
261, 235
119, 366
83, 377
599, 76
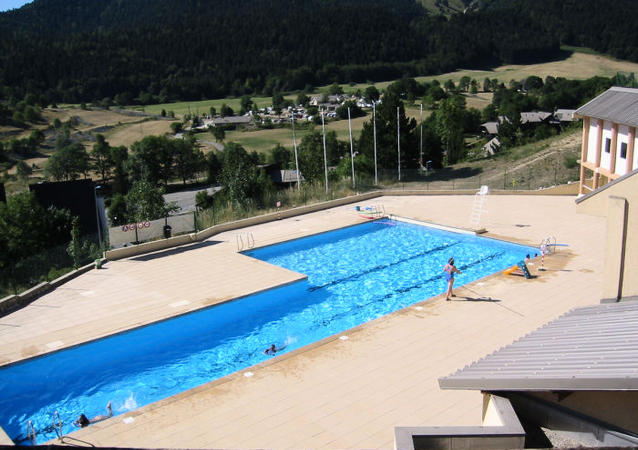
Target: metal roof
589, 348
534, 116
619, 105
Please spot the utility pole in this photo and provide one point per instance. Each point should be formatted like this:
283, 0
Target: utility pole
294, 143
399, 143
351, 149
325, 158
374, 130
421, 132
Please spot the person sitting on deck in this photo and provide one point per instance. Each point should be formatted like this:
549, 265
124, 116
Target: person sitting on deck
84, 421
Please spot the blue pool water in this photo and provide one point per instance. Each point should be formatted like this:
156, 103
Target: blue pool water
355, 274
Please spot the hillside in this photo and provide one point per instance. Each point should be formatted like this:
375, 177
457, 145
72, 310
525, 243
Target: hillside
149, 51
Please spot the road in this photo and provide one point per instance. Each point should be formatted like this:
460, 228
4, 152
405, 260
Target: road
186, 199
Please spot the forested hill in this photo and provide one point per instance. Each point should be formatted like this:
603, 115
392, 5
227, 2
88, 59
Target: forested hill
161, 50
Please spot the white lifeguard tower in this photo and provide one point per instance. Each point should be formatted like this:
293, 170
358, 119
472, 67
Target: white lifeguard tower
479, 207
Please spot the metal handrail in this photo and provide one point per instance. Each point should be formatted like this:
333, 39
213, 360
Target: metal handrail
57, 425
31, 434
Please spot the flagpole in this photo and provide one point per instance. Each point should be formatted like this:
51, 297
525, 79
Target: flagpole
294, 143
399, 143
374, 128
421, 143
351, 148
325, 158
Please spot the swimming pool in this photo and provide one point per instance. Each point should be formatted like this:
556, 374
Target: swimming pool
355, 274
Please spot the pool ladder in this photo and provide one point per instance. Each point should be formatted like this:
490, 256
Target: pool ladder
57, 425
31, 435
550, 244
245, 244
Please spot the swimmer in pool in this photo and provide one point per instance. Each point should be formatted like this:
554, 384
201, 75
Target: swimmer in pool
84, 421
272, 350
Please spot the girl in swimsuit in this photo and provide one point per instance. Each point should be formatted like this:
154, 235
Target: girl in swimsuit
450, 270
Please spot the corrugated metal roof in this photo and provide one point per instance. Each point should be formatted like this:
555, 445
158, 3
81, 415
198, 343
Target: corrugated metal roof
590, 348
619, 105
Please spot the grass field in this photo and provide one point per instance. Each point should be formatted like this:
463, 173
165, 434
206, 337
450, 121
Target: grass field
130, 133
579, 65
203, 107
262, 141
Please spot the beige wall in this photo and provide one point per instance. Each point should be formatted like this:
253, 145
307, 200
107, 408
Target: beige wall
619, 203
617, 407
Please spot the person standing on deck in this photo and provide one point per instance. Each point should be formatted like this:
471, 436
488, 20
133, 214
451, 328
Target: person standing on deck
450, 269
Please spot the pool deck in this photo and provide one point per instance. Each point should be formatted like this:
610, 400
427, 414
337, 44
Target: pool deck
338, 393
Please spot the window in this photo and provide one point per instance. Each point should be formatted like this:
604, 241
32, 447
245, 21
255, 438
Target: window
623, 150
607, 145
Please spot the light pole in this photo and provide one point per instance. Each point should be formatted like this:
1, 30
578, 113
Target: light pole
325, 157
351, 149
97, 214
294, 143
374, 130
399, 143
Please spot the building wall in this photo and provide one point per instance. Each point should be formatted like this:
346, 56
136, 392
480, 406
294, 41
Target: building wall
619, 203
606, 145
623, 138
592, 141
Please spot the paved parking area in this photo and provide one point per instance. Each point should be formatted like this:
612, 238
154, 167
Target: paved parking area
336, 393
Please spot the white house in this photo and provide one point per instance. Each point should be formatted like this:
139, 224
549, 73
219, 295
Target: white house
609, 136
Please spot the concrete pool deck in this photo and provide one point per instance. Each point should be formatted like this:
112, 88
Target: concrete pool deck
337, 393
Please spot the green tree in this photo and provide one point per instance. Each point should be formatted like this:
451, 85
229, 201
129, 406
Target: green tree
118, 157
101, 155
146, 202
68, 162
117, 210
176, 127
213, 167
386, 126
281, 156
203, 200
464, 83
189, 159
277, 102
26, 229
449, 124
23, 170
487, 85
226, 110
238, 174
75, 247
246, 104
152, 159
335, 89
219, 133
355, 111
310, 155
303, 100
35, 139
372, 93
